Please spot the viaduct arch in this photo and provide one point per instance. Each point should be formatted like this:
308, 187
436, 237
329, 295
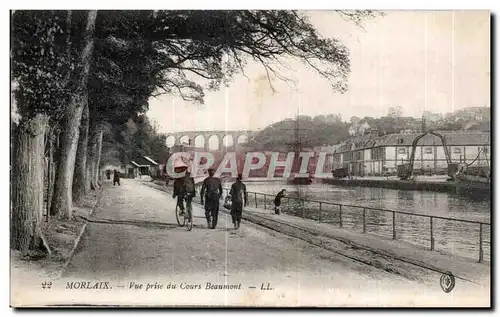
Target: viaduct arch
201, 139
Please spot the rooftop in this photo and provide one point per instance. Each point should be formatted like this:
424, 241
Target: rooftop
137, 165
451, 138
406, 139
150, 160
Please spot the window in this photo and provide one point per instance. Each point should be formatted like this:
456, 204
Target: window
457, 150
486, 150
402, 151
428, 150
381, 153
378, 153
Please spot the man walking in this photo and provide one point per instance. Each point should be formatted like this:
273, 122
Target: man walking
116, 178
211, 191
239, 198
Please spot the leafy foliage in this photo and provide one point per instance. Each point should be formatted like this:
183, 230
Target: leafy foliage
144, 53
216, 43
138, 53
138, 137
41, 61
119, 83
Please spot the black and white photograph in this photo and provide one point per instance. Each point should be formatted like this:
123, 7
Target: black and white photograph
250, 158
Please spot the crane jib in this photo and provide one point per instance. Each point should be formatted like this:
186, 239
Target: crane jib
414, 147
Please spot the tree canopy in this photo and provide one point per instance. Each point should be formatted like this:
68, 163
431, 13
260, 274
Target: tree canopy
41, 61
139, 54
135, 138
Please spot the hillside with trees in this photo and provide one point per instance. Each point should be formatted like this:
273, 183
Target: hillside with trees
313, 131
330, 129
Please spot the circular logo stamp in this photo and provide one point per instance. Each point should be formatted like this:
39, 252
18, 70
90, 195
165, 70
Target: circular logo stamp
447, 282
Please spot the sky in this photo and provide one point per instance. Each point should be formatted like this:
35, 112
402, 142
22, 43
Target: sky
437, 61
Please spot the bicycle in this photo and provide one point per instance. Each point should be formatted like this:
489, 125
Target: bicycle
187, 220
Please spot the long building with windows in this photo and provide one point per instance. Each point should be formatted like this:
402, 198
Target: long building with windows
373, 155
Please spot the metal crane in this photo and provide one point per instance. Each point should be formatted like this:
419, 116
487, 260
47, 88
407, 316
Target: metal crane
409, 173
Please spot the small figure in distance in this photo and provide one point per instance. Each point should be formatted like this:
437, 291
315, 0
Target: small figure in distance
277, 201
116, 178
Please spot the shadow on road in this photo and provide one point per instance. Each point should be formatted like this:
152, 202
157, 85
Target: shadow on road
146, 224
139, 223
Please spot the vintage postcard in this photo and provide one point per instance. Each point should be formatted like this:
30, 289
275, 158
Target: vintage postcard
250, 158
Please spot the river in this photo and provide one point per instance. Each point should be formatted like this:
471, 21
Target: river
421, 202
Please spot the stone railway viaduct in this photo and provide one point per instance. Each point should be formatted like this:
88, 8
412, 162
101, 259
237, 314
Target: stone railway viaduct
202, 139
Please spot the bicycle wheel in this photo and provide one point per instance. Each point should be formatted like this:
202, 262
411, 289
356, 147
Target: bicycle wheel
189, 218
189, 221
178, 217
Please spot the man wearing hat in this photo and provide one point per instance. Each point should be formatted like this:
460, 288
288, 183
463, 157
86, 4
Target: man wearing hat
211, 191
238, 197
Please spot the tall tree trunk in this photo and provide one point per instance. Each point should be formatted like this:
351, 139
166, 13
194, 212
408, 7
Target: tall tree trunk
27, 185
62, 199
56, 154
63, 190
94, 157
92, 154
98, 158
51, 171
80, 175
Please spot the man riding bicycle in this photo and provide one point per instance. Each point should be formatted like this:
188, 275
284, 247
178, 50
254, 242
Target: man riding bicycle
211, 191
184, 188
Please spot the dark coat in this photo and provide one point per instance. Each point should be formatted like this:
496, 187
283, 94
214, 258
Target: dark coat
235, 189
277, 199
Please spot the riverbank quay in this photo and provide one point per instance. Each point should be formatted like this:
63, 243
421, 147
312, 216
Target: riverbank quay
372, 249
385, 253
468, 238
464, 236
465, 188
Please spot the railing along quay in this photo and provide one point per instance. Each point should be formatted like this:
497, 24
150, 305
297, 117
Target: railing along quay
323, 213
